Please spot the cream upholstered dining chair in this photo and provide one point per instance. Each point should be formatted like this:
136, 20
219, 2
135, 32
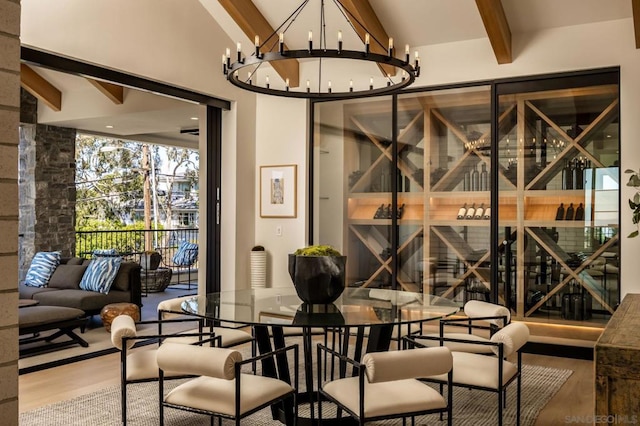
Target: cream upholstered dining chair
480, 315
387, 384
493, 373
221, 389
229, 336
139, 365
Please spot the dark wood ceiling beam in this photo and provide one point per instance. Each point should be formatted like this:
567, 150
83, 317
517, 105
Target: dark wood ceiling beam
635, 6
35, 84
114, 92
253, 23
497, 27
363, 12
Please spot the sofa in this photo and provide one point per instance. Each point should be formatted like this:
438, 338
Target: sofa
63, 287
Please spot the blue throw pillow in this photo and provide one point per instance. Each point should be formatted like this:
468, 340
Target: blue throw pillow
100, 274
186, 254
105, 252
42, 267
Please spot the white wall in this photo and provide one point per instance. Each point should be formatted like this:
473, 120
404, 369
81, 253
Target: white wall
281, 138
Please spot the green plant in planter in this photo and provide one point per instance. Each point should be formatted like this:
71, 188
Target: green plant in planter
317, 251
318, 273
634, 203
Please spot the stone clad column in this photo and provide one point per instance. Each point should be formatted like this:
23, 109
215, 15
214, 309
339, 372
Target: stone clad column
9, 120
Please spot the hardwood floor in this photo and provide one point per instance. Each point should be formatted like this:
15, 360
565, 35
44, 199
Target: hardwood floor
574, 400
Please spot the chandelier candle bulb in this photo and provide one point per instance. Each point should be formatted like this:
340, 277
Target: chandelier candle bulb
309, 86
319, 56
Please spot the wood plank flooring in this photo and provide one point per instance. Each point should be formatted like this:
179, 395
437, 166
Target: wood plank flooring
575, 399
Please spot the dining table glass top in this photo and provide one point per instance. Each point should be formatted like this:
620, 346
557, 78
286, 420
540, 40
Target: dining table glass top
355, 307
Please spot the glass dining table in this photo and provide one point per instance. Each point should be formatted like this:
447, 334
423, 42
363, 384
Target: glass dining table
359, 315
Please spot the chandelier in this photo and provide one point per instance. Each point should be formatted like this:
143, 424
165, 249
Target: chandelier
245, 71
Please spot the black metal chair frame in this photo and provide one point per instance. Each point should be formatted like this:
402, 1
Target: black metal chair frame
211, 339
501, 389
360, 369
179, 268
238, 417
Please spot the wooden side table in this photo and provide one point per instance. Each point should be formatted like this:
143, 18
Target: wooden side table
109, 312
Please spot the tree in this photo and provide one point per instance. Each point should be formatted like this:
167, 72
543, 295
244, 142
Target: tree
183, 162
107, 183
110, 182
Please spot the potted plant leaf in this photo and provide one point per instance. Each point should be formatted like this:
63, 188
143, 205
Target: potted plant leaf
634, 203
318, 273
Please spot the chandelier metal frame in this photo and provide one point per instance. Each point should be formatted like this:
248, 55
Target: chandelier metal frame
232, 71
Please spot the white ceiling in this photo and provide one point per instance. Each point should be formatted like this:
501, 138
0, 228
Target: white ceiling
149, 117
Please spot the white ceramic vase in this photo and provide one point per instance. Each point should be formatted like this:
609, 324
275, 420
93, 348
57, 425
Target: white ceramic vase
258, 269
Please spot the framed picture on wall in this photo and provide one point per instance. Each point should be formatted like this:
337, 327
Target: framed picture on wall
278, 191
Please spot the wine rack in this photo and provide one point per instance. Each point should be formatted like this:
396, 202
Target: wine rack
556, 147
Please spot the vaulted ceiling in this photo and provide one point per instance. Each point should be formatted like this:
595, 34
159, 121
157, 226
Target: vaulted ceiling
411, 22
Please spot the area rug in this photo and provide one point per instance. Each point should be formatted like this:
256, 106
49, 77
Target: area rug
471, 407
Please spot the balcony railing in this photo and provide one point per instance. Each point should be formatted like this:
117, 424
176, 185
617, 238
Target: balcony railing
130, 244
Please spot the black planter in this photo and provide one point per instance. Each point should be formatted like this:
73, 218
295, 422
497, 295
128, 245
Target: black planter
317, 279
150, 261
318, 315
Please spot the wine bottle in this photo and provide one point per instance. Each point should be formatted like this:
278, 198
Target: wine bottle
471, 211
400, 211
560, 212
475, 179
570, 212
484, 178
462, 212
578, 174
479, 212
466, 186
378, 213
487, 213
567, 176
580, 212
387, 212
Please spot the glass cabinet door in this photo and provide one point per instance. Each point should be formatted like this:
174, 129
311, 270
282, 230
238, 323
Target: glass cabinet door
559, 191
353, 143
403, 186
450, 132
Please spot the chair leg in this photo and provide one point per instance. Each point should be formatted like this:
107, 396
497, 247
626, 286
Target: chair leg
500, 408
518, 399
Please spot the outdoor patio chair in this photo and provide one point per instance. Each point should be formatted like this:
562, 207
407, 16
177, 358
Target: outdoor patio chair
183, 262
493, 373
140, 365
221, 390
387, 384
